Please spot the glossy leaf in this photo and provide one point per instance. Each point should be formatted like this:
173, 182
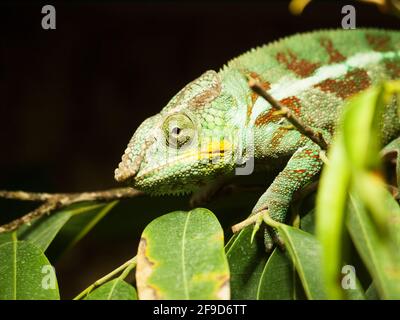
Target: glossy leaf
330, 212
381, 262
307, 222
82, 220
371, 293
356, 293
116, 289
25, 273
246, 264
84, 223
305, 252
278, 279
42, 231
181, 256
362, 114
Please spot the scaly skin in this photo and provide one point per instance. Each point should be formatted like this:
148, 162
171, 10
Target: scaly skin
202, 135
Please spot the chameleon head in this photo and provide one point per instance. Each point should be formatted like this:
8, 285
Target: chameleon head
187, 145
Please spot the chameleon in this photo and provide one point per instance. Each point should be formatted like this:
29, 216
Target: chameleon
216, 125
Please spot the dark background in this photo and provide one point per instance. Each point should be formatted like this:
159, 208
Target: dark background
72, 97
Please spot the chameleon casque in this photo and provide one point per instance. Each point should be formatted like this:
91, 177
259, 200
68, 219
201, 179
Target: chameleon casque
200, 138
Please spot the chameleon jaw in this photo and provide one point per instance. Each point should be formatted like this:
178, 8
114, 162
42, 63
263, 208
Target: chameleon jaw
129, 167
180, 173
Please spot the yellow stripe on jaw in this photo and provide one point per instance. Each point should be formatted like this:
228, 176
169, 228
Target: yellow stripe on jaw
213, 150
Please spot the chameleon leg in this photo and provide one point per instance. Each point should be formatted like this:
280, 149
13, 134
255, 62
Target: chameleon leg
302, 167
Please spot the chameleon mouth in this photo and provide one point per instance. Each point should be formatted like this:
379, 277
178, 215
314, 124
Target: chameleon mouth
129, 167
214, 152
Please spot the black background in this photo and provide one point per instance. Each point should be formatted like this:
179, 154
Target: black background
71, 98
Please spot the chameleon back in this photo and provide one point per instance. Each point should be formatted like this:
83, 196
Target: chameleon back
313, 74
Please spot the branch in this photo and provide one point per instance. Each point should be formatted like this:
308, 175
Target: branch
54, 201
126, 268
287, 113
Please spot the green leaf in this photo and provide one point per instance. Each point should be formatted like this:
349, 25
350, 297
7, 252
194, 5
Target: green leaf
354, 168
355, 294
362, 115
181, 256
246, 263
87, 222
5, 237
83, 219
25, 273
305, 251
371, 293
116, 289
380, 261
278, 280
307, 222
330, 211
42, 231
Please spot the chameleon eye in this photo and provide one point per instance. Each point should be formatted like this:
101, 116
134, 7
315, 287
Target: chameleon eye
178, 130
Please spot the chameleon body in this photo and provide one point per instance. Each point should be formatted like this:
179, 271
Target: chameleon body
201, 136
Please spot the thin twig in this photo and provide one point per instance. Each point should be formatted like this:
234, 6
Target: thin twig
125, 268
25, 196
54, 201
287, 113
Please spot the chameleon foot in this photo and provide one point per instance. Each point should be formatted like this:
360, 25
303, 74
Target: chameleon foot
272, 239
271, 235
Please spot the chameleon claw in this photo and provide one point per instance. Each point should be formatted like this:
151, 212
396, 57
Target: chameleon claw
269, 221
272, 237
256, 228
296, 221
250, 220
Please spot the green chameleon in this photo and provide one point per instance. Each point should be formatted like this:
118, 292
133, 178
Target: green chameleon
216, 127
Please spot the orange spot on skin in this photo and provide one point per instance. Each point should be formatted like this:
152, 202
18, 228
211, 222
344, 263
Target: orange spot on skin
266, 117
334, 55
311, 154
264, 84
277, 136
393, 69
354, 81
293, 103
302, 68
379, 42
